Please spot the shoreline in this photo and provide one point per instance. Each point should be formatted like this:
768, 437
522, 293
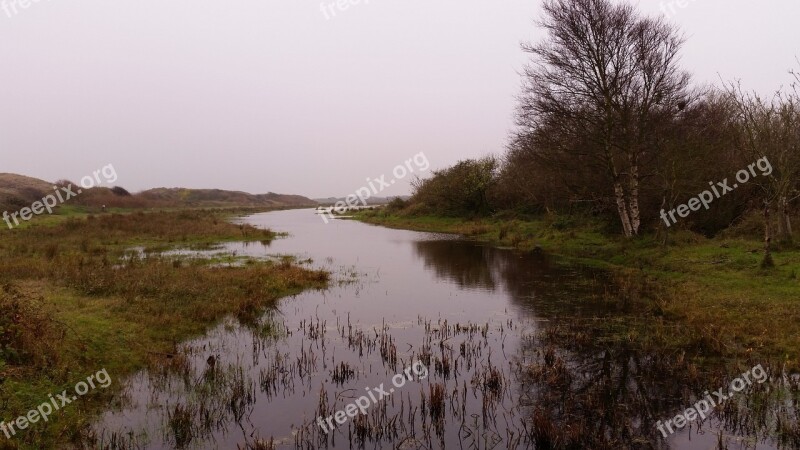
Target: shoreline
711, 293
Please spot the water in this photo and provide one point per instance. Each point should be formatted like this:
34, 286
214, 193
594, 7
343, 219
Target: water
467, 343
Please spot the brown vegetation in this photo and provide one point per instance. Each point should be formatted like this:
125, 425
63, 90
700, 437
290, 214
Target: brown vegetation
74, 289
609, 125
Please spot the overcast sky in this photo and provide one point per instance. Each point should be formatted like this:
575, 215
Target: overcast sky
270, 95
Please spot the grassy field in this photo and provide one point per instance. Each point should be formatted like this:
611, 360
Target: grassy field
709, 297
76, 299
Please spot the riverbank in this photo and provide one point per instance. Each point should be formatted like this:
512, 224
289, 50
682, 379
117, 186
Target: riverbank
84, 293
707, 297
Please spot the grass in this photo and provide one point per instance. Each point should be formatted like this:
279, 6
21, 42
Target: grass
709, 296
73, 306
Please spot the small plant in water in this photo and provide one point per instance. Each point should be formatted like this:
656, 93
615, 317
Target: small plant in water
180, 421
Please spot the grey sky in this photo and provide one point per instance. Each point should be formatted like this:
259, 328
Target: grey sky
269, 95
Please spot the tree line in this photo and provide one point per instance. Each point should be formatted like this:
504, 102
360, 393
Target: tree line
609, 123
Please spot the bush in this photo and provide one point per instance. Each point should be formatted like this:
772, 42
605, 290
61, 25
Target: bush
397, 204
460, 190
749, 226
28, 333
120, 191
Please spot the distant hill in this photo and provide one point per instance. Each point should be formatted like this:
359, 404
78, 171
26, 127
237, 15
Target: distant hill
218, 197
19, 191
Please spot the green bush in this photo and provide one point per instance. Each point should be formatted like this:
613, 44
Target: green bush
461, 190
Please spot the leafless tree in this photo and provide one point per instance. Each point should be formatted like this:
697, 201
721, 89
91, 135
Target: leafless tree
609, 76
770, 128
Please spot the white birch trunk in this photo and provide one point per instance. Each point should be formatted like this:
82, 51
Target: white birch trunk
635, 215
622, 208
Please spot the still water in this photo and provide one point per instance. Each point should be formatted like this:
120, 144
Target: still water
470, 346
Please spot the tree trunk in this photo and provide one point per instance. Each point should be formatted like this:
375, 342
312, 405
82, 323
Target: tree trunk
634, 195
785, 222
661, 227
767, 262
622, 209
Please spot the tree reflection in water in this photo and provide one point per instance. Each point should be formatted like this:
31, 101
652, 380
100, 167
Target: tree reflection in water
587, 384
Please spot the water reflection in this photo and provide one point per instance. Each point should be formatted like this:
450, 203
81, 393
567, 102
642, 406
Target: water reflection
511, 341
523, 276
468, 266
586, 389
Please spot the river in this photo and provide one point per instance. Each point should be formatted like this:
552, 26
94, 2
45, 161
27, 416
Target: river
465, 342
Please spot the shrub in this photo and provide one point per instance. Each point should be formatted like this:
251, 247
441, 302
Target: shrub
397, 204
460, 190
28, 333
120, 191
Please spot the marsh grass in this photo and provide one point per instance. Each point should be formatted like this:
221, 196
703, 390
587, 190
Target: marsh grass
28, 330
73, 303
576, 400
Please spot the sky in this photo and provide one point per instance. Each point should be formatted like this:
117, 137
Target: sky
303, 97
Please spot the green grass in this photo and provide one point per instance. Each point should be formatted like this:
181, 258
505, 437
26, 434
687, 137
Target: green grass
709, 294
72, 306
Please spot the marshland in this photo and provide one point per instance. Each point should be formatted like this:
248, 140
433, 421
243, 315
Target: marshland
566, 224
523, 349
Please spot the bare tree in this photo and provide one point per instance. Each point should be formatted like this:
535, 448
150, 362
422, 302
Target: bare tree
609, 76
769, 130
695, 147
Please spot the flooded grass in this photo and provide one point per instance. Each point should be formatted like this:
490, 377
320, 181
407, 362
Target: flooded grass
86, 302
549, 394
519, 353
